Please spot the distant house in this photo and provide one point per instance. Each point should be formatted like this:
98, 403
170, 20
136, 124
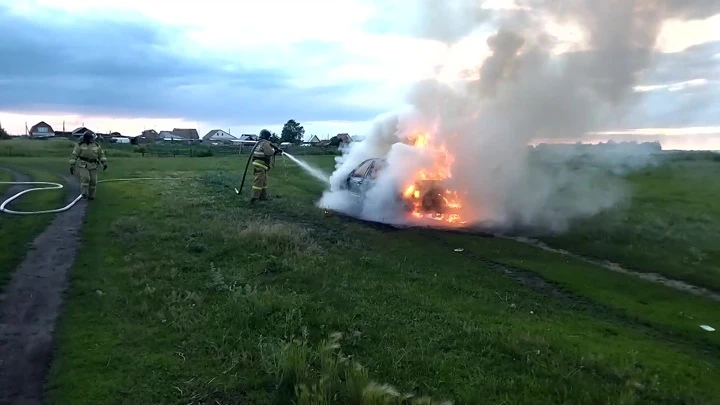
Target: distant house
41, 130
146, 136
119, 139
344, 138
169, 136
248, 139
188, 134
245, 140
80, 132
314, 140
149, 134
102, 137
113, 137
218, 135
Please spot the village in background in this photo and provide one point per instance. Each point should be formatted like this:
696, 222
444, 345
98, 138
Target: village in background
215, 137
292, 138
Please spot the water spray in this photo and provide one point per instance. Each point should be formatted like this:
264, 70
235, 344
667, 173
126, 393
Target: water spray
313, 171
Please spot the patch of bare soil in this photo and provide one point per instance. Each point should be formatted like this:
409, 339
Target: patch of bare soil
649, 276
31, 303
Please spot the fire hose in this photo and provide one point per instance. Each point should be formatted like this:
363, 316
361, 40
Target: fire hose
247, 165
56, 186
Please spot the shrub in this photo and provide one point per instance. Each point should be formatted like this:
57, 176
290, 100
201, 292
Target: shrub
4, 134
204, 153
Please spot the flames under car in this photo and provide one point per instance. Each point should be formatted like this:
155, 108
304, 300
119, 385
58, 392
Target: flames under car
422, 197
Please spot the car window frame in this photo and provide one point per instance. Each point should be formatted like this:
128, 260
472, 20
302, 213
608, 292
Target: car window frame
371, 163
377, 166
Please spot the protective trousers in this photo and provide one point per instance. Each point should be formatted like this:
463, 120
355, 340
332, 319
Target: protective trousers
259, 188
88, 181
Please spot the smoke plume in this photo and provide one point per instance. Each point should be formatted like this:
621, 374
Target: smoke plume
521, 92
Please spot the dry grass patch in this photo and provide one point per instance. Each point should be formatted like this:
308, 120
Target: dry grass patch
268, 237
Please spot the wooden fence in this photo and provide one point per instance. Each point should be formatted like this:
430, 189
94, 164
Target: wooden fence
63, 149
219, 151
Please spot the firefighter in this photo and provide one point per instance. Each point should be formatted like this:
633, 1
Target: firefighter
86, 158
261, 161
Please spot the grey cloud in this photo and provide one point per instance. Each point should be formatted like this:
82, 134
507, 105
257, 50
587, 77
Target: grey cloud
681, 9
695, 62
128, 68
445, 21
696, 105
449, 20
693, 9
688, 107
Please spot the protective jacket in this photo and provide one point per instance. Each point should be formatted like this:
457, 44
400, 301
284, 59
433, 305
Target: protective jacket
88, 156
262, 155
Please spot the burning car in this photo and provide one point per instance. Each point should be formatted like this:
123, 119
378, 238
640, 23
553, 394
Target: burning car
426, 196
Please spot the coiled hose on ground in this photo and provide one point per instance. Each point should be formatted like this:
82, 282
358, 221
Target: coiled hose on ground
55, 186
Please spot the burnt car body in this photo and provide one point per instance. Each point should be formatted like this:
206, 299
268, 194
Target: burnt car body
427, 192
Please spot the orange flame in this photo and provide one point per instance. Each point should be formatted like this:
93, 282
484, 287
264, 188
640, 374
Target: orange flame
425, 199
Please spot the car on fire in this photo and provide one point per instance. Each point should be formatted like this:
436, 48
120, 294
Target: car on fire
423, 197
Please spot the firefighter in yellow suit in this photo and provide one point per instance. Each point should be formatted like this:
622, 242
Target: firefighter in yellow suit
86, 158
261, 161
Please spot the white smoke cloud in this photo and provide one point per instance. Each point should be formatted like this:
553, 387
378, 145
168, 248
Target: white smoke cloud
520, 93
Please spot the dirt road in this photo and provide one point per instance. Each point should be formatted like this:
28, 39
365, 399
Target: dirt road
31, 302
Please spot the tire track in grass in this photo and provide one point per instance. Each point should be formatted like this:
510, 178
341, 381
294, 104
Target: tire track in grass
536, 282
651, 276
572, 300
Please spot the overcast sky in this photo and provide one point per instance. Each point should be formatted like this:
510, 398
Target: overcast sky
331, 64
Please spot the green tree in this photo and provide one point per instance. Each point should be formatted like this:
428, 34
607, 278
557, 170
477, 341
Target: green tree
334, 141
3, 133
292, 132
274, 138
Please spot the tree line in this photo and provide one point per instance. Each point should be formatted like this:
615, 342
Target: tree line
3, 133
293, 132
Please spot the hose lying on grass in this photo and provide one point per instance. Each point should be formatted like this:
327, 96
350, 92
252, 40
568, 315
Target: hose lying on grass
55, 186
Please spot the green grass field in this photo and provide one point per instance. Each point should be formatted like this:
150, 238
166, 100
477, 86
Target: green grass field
672, 228
5, 176
182, 294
